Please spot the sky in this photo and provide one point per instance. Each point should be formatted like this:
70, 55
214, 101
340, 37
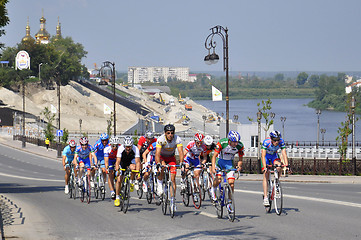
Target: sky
264, 35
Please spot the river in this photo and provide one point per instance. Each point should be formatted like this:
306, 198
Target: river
301, 121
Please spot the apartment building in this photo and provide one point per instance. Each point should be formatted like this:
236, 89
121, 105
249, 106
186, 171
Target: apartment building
138, 75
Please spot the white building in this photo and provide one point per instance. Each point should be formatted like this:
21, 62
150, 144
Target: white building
249, 132
138, 75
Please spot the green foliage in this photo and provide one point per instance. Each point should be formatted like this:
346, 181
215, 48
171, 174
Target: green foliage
65, 137
302, 78
60, 59
346, 129
135, 137
49, 117
279, 77
313, 80
4, 19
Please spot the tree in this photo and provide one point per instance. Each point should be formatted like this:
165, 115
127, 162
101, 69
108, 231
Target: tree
302, 78
49, 117
4, 19
65, 137
313, 80
279, 77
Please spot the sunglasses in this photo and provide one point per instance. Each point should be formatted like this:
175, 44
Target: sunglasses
168, 133
84, 144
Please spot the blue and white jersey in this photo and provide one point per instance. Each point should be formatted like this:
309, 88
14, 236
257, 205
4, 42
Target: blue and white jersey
272, 149
69, 154
99, 149
83, 154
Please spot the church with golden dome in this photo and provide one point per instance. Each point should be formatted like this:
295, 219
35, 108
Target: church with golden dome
42, 36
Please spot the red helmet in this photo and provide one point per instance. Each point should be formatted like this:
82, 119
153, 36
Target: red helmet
72, 143
198, 137
84, 141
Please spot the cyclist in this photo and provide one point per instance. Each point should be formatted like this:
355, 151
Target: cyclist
192, 152
110, 157
145, 141
148, 161
208, 141
84, 155
167, 143
269, 156
127, 156
99, 147
223, 157
68, 156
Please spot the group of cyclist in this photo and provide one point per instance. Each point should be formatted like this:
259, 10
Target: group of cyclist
114, 157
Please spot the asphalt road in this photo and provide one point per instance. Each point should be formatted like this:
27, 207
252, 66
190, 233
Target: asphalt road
33, 191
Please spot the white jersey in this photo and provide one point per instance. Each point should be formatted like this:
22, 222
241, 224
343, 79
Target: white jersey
168, 148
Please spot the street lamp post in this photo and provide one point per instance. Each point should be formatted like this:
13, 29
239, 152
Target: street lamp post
39, 71
23, 137
204, 123
323, 131
259, 117
111, 65
283, 120
353, 125
80, 122
318, 112
213, 58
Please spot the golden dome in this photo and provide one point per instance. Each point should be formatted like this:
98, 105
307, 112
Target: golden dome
28, 37
42, 36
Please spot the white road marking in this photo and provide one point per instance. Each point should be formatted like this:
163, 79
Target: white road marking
208, 214
323, 200
30, 178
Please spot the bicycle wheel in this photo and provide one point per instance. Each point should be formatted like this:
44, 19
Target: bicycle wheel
140, 189
150, 187
172, 201
270, 197
196, 194
218, 204
126, 192
229, 202
73, 187
88, 190
102, 186
157, 198
186, 193
278, 198
165, 198
70, 183
82, 193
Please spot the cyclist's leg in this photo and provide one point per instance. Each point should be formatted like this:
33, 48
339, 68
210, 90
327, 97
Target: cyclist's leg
173, 173
269, 160
67, 173
111, 175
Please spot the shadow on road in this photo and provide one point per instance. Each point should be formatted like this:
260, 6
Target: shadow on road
226, 233
19, 188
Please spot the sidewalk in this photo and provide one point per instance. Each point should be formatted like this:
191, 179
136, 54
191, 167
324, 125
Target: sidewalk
7, 140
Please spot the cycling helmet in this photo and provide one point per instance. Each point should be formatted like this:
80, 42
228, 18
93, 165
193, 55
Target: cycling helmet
104, 136
128, 141
234, 136
72, 143
208, 140
114, 141
198, 137
169, 127
275, 135
84, 140
149, 134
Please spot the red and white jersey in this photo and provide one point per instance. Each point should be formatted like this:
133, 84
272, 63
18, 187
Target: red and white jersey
193, 151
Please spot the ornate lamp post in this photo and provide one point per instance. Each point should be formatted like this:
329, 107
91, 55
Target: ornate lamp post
213, 58
283, 120
112, 68
323, 131
259, 117
318, 112
39, 71
353, 105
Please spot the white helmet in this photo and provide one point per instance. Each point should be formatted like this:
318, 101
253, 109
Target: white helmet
149, 134
114, 140
208, 140
128, 141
